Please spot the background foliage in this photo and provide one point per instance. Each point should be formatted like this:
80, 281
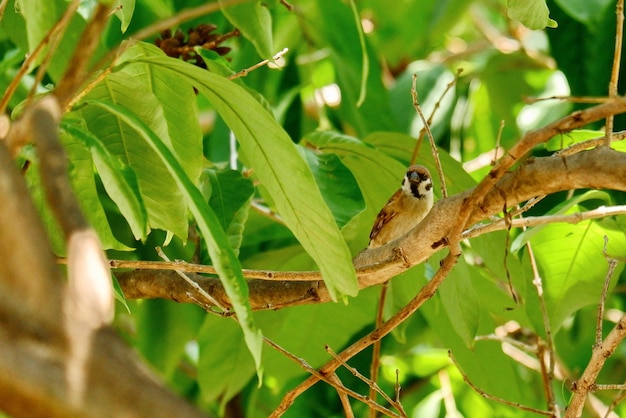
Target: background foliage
167, 154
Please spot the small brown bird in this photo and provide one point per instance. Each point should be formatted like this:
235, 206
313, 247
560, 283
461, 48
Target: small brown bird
405, 209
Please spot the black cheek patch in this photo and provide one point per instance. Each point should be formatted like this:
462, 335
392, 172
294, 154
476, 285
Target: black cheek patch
415, 190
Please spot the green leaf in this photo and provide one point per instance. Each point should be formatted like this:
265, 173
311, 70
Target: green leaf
267, 148
533, 14
230, 198
255, 23
337, 184
572, 264
460, 302
119, 293
125, 12
561, 209
118, 179
224, 365
224, 260
39, 17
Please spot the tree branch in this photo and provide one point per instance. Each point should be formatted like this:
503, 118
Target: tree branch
600, 168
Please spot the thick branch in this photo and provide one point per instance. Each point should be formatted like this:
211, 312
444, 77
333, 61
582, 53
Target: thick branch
601, 168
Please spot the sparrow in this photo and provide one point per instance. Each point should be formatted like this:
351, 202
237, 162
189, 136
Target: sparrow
405, 209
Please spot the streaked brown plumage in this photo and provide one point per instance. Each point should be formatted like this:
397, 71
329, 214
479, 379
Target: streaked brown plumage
405, 209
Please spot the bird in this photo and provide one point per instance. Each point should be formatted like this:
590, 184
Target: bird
405, 209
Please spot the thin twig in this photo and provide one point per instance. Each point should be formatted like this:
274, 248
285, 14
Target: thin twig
364, 379
507, 244
621, 395
376, 347
599, 354
343, 398
246, 71
424, 294
495, 398
617, 56
571, 218
191, 283
590, 143
602, 303
324, 377
549, 376
572, 99
433, 146
420, 137
497, 147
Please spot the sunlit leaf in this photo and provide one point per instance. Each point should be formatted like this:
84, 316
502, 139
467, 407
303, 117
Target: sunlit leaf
533, 14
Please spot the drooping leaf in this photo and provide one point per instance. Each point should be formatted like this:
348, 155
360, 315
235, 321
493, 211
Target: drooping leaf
118, 179
163, 199
281, 169
124, 12
84, 185
223, 258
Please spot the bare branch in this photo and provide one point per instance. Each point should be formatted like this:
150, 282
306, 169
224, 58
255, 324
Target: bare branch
599, 354
601, 168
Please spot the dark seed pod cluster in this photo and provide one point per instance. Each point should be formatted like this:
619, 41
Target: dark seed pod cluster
180, 46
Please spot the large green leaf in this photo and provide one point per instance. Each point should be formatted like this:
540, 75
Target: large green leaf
224, 365
223, 258
163, 199
177, 102
267, 148
572, 264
